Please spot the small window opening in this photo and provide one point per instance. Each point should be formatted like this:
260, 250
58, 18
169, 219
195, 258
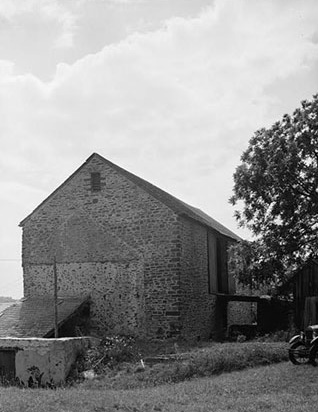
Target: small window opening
95, 182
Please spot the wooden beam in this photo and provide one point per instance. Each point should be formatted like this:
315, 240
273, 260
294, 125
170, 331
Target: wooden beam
239, 298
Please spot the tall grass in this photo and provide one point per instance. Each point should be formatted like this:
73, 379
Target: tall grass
216, 359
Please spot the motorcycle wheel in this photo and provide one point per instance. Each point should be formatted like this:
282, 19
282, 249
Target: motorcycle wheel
313, 355
298, 353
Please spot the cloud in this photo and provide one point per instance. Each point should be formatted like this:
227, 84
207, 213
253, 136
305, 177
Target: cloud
175, 106
29, 17
6, 69
188, 81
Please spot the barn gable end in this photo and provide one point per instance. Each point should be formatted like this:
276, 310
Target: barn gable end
141, 254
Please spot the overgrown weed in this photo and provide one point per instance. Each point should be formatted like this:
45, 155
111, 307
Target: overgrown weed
218, 358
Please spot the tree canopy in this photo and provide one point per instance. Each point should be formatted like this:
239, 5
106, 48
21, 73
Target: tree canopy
276, 188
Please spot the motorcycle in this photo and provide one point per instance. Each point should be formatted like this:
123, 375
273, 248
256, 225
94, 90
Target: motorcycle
303, 348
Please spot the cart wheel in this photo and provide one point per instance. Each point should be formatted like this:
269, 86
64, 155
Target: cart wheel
299, 353
313, 355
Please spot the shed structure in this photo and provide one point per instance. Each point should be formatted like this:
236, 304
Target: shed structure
305, 292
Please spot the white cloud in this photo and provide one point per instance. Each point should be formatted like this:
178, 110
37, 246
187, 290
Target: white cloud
177, 87
6, 69
189, 79
21, 13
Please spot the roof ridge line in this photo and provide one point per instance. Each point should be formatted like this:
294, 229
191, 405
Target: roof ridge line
170, 201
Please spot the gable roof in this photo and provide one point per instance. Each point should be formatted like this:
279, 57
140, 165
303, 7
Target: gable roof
34, 316
178, 206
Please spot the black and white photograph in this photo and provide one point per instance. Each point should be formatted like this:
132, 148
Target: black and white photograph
159, 205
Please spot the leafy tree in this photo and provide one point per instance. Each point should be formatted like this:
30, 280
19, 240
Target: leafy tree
253, 266
276, 188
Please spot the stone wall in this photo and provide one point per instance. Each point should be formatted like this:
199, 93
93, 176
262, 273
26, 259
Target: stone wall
50, 358
145, 267
197, 308
120, 244
116, 291
243, 313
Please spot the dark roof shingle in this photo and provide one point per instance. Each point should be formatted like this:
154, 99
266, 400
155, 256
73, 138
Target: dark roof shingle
34, 316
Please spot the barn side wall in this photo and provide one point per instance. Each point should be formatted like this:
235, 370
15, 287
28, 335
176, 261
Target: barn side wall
198, 306
120, 244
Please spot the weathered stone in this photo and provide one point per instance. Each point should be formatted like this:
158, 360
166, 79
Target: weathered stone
140, 257
41, 361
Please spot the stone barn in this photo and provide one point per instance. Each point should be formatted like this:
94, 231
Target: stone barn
152, 265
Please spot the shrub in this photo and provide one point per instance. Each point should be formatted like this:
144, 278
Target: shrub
112, 351
278, 336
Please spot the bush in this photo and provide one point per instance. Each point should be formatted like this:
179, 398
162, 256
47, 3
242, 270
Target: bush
278, 336
108, 355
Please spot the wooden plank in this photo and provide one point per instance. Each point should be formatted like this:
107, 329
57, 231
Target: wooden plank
223, 285
212, 263
239, 298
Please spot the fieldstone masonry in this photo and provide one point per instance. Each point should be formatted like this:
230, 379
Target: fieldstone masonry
144, 264
198, 305
115, 290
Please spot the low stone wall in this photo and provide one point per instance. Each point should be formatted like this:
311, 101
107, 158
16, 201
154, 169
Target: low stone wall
39, 361
241, 313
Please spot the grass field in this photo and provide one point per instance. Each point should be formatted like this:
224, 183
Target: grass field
279, 387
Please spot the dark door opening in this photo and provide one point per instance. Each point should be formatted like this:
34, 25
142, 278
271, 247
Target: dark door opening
7, 365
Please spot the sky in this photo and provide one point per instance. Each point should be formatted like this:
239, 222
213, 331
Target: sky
171, 90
